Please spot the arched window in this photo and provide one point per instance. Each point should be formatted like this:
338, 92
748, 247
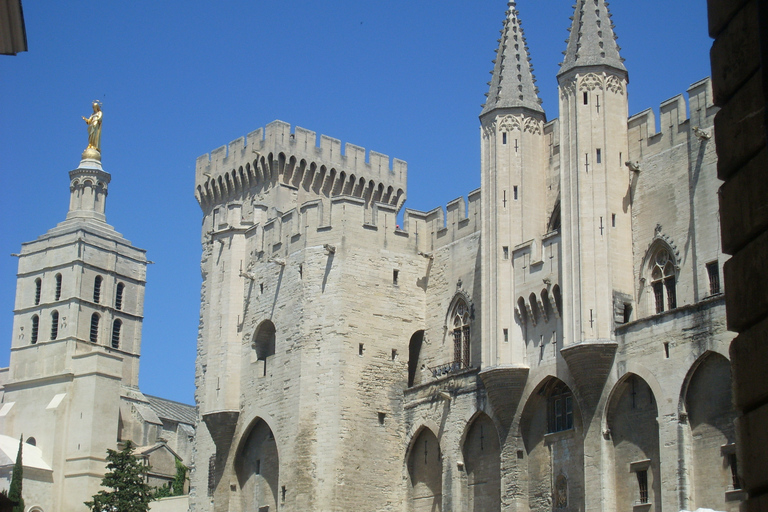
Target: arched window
264, 342
58, 287
94, 328
522, 310
35, 328
663, 280
97, 289
54, 325
460, 317
38, 290
116, 325
119, 296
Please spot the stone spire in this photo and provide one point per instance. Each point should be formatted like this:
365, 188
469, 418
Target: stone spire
513, 84
592, 41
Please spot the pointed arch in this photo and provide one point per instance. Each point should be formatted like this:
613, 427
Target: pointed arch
458, 325
481, 450
257, 466
414, 357
706, 402
634, 431
659, 272
552, 437
425, 472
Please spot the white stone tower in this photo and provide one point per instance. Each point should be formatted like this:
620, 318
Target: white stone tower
595, 183
76, 342
513, 187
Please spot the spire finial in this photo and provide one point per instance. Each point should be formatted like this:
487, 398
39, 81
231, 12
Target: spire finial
592, 41
513, 84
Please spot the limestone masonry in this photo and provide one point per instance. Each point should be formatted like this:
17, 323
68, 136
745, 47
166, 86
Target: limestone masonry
555, 341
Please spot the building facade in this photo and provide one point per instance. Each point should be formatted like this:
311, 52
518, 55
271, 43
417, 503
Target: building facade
72, 388
555, 341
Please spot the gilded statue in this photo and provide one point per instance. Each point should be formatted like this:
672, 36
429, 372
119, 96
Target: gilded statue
94, 128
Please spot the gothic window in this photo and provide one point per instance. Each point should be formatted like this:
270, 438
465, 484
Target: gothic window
119, 296
116, 325
54, 325
560, 408
264, 342
97, 289
663, 281
94, 334
35, 328
460, 330
38, 290
58, 287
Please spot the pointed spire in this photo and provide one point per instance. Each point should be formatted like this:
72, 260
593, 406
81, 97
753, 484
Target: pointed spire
513, 83
592, 41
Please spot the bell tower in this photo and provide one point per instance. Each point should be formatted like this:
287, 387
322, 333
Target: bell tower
513, 183
76, 336
596, 213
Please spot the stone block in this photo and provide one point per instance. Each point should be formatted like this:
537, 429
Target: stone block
743, 208
749, 351
721, 12
753, 448
740, 128
733, 51
746, 274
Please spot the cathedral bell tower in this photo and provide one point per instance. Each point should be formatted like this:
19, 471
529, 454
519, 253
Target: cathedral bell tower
76, 335
513, 183
595, 183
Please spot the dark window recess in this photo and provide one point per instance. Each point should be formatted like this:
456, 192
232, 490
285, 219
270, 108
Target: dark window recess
627, 312
642, 483
395, 276
282, 494
666, 350
658, 293
35, 328
586, 98
116, 333
54, 325
119, 296
382, 417
94, 335
504, 138
613, 220
669, 283
97, 289
38, 290
58, 287
506, 334
211, 475
560, 409
733, 463
713, 270
506, 252
514, 192
360, 349
599, 156
258, 466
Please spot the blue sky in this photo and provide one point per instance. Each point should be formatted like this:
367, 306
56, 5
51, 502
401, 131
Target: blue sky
180, 78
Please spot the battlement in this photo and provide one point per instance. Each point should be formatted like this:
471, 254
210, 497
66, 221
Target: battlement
277, 233
675, 125
276, 155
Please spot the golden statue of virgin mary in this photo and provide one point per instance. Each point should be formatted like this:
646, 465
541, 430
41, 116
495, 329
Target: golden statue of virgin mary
93, 150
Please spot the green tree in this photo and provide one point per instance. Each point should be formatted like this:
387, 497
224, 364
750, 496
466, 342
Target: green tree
126, 476
180, 479
14, 493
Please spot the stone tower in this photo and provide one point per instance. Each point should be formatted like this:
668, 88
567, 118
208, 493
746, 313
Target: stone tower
77, 335
595, 206
513, 184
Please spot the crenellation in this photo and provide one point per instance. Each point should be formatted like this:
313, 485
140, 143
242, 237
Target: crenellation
293, 159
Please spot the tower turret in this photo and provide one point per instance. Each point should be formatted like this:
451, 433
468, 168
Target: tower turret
513, 185
596, 214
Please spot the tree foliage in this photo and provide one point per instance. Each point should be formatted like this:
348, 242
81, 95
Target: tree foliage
14, 493
126, 477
